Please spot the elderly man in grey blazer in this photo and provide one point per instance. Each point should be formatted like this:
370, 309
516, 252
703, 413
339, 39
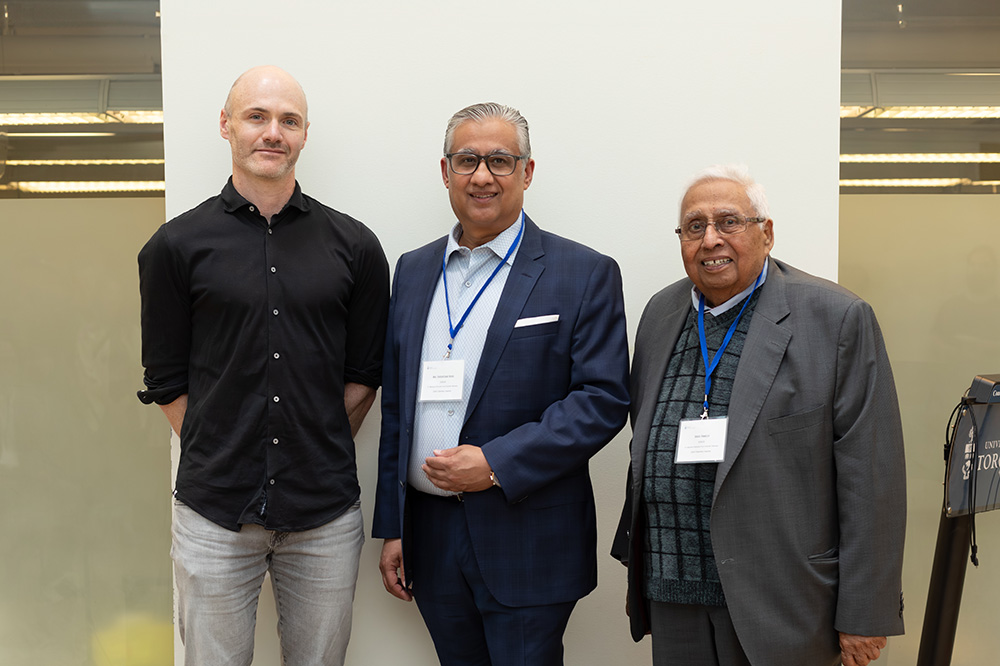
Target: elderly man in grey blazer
765, 503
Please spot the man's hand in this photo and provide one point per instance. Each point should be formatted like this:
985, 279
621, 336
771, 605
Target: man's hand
391, 565
462, 469
859, 650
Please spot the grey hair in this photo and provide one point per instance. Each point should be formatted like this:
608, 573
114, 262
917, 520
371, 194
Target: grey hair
485, 111
739, 174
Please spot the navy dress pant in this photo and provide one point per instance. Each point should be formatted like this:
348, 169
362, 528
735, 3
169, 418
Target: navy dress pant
468, 625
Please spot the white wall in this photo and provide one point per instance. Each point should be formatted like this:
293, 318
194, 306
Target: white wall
625, 99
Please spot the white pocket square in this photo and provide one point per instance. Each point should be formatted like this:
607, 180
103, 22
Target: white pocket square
535, 321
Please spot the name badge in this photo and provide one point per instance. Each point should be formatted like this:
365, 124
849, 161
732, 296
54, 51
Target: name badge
701, 440
442, 381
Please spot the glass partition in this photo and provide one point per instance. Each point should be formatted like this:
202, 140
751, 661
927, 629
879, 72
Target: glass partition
928, 264
84, 467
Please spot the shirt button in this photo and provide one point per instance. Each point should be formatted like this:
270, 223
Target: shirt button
270, 231
273, 269
274, 441
277, 355
276, 398
252, 209
451, 412
275, 312
468, 284
272, 482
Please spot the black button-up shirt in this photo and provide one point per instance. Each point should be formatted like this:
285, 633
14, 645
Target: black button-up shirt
262, 326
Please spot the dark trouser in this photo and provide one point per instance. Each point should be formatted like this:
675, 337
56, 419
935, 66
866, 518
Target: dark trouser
468, 625
693, 635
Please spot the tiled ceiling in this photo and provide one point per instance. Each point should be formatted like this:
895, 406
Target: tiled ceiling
96, 58
103, 57
921, 53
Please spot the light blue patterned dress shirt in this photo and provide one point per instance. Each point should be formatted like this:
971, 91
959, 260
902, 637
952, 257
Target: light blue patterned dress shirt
438, 425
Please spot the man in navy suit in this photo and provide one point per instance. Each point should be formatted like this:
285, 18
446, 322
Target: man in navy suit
506, 369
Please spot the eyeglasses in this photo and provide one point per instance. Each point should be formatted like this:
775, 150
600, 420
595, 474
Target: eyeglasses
499, 164
727, 226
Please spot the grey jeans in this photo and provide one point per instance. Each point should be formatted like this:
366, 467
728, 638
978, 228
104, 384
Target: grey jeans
219, 574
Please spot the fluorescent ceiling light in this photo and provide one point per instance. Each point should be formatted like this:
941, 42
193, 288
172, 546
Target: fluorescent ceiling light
914, 112
78, 187
906, 182
116, 117
35, 135
853, 111
921, 158
103, 162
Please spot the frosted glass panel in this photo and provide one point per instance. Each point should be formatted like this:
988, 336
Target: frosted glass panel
930, 266
84, 467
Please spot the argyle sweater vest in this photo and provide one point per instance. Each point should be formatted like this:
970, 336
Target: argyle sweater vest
679, 563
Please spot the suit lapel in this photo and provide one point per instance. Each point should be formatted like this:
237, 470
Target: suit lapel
660, 331
762, 352
524, 273
421, 284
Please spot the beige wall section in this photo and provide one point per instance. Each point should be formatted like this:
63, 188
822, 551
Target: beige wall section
929, 264
84, 485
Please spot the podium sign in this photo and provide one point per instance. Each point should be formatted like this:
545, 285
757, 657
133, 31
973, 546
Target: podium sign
972, 483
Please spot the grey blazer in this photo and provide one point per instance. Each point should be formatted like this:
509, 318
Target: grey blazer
809, 507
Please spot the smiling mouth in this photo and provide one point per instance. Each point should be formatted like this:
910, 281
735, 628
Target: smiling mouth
483, 196
716, 262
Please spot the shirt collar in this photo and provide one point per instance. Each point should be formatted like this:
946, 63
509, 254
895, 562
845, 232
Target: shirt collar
498, 245
732, 302
233, 200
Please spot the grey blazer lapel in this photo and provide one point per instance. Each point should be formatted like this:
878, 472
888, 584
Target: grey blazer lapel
765, 346
661, 325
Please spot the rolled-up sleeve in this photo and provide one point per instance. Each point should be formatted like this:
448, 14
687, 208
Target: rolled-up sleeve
166, 321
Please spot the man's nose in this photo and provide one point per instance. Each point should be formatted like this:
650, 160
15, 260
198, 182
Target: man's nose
482, 174
272, 132
712, 236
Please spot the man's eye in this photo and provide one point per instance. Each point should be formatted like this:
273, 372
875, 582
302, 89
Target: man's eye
729, 222
467, 160
695, 227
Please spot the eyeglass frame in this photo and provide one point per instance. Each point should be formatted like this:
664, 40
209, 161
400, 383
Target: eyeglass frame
481, 159
747, 221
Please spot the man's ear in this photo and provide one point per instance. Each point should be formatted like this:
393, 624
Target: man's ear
444, 170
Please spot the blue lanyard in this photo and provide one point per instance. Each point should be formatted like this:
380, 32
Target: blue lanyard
444, 273
710, 366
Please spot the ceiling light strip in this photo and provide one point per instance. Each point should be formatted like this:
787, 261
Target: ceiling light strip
95, 162
82, 187
83, 118
57, 135
906, 182
920, 158
920, 112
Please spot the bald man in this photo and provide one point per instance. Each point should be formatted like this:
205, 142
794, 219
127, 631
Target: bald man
263, 322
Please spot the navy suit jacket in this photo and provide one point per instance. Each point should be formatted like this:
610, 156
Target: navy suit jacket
545, 399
